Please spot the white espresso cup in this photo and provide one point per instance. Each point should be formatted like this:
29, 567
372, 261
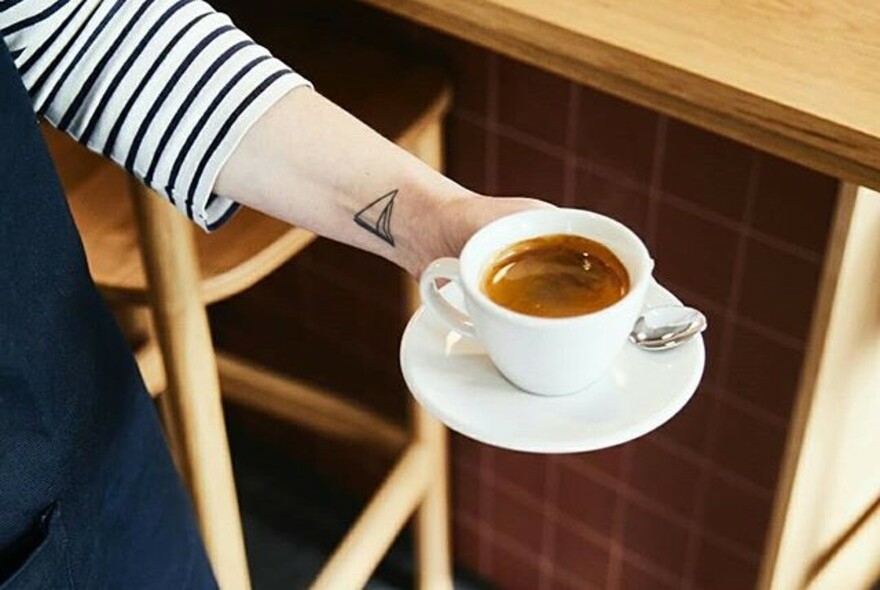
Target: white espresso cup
545, 356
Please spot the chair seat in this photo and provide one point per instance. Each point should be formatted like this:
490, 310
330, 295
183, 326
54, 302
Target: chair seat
394, 97
248, 248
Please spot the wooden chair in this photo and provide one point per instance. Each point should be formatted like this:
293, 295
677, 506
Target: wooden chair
160, 273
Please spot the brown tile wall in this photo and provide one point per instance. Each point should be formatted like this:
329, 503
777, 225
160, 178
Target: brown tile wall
736, 232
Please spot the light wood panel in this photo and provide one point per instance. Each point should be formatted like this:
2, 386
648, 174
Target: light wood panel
432, 538
250, 246
431, 522
191, 407
798, 79
849, 563
830, 482
371, 535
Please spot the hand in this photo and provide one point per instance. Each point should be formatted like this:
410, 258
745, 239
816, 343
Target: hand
458, 219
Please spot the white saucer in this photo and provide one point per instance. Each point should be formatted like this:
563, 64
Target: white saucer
453, 379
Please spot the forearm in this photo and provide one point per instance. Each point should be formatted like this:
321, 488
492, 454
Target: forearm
302, 160
310, 163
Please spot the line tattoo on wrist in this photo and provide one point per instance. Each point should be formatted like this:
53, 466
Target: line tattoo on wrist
376, 217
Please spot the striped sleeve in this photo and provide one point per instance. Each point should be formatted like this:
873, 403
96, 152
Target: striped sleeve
166, 88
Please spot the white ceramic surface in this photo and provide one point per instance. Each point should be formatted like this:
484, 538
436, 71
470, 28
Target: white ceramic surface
453, 378
547, 356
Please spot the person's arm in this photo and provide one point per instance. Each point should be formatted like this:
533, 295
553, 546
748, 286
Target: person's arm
171, 89
310, 163
165, 88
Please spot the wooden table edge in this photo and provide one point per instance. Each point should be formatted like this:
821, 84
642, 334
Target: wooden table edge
782, 130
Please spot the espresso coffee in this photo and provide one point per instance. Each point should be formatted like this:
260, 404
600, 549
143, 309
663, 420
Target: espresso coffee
555, 276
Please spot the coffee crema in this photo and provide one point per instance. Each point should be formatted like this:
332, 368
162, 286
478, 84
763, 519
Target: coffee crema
555, 276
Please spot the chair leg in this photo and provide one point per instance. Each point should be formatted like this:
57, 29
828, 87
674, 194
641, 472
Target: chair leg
191, 404
433, 552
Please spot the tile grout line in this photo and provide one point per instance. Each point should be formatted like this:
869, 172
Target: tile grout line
602, 540
787, 247
752, 409
792, 342
777, 336
731, 477
638, 498
491, 180
743, 228
484, 510
537, 505
554, 151
569, 184
654, 190
512, 545
618, 522
652, 569
546, 562
731, 313
657, 508
697, 529
492, 125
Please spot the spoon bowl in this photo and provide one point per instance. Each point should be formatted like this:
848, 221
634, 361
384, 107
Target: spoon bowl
666, 327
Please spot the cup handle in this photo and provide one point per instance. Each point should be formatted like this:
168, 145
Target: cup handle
444, 268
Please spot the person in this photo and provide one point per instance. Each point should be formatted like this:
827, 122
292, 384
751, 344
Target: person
175, 93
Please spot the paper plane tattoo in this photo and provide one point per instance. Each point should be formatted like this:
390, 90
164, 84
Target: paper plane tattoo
376, 217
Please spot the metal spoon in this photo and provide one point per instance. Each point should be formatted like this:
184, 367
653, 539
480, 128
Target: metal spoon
663, 328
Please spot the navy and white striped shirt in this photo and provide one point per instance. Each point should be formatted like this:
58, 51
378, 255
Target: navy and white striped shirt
166, 88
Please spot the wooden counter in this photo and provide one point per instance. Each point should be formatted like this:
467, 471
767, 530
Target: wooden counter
797, 78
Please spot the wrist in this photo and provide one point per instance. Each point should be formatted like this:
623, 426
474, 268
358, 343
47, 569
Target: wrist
433, 227
459, 217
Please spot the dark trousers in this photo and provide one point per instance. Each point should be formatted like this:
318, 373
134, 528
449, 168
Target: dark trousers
89, 498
